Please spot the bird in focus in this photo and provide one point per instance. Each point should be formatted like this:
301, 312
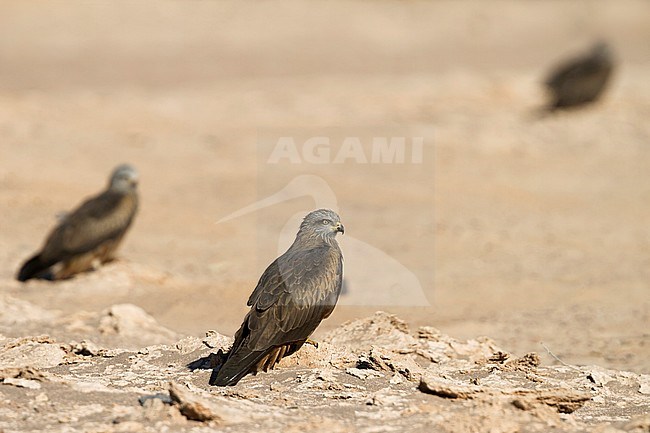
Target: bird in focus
580, 80
294, 294
89, 235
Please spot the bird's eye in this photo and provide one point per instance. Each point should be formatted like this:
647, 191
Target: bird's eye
326, 222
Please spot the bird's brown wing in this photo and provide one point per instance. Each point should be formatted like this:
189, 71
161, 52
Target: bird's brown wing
295, 293
99, 219
293, 296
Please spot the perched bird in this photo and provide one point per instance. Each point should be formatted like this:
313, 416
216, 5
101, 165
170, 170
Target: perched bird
295, 293
90, 234
580, 80
372, 276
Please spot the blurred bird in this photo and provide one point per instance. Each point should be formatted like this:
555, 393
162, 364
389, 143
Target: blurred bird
295, 293
89, 235
580, 80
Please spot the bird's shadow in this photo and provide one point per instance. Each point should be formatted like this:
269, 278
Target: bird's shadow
212, 361
50, 275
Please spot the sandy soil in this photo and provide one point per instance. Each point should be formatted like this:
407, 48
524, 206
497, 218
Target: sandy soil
534, 232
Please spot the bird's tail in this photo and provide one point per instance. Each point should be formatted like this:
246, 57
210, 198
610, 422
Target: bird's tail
32, 268
238, 365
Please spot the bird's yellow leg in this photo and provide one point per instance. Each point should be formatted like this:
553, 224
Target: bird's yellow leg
312, 342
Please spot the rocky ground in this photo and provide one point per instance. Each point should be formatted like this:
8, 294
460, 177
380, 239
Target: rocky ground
368, 375
532, 231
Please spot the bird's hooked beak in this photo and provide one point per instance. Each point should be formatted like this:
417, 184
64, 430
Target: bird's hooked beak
339, 228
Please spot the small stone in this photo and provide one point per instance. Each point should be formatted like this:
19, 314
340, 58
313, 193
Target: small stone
644, 387
22, 383
215, 340
530, 359
86, 348
522, 404
428, 333
396, 379
499, 357
196, 408
22, 373
32, 352
446, 388
326, 376
188, 345
599, 378
363, 373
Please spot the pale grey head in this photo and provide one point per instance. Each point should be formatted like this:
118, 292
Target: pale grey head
321, 223
124, 179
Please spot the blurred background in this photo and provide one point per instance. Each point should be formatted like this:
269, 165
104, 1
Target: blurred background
523, 228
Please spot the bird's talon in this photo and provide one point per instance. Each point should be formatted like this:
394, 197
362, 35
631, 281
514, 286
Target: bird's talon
312, 342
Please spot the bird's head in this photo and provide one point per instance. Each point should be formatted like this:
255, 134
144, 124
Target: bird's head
601, 50
321, 223
124, 179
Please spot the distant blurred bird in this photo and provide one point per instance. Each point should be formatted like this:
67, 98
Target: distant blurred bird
295, 293
90, 234
580, 80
